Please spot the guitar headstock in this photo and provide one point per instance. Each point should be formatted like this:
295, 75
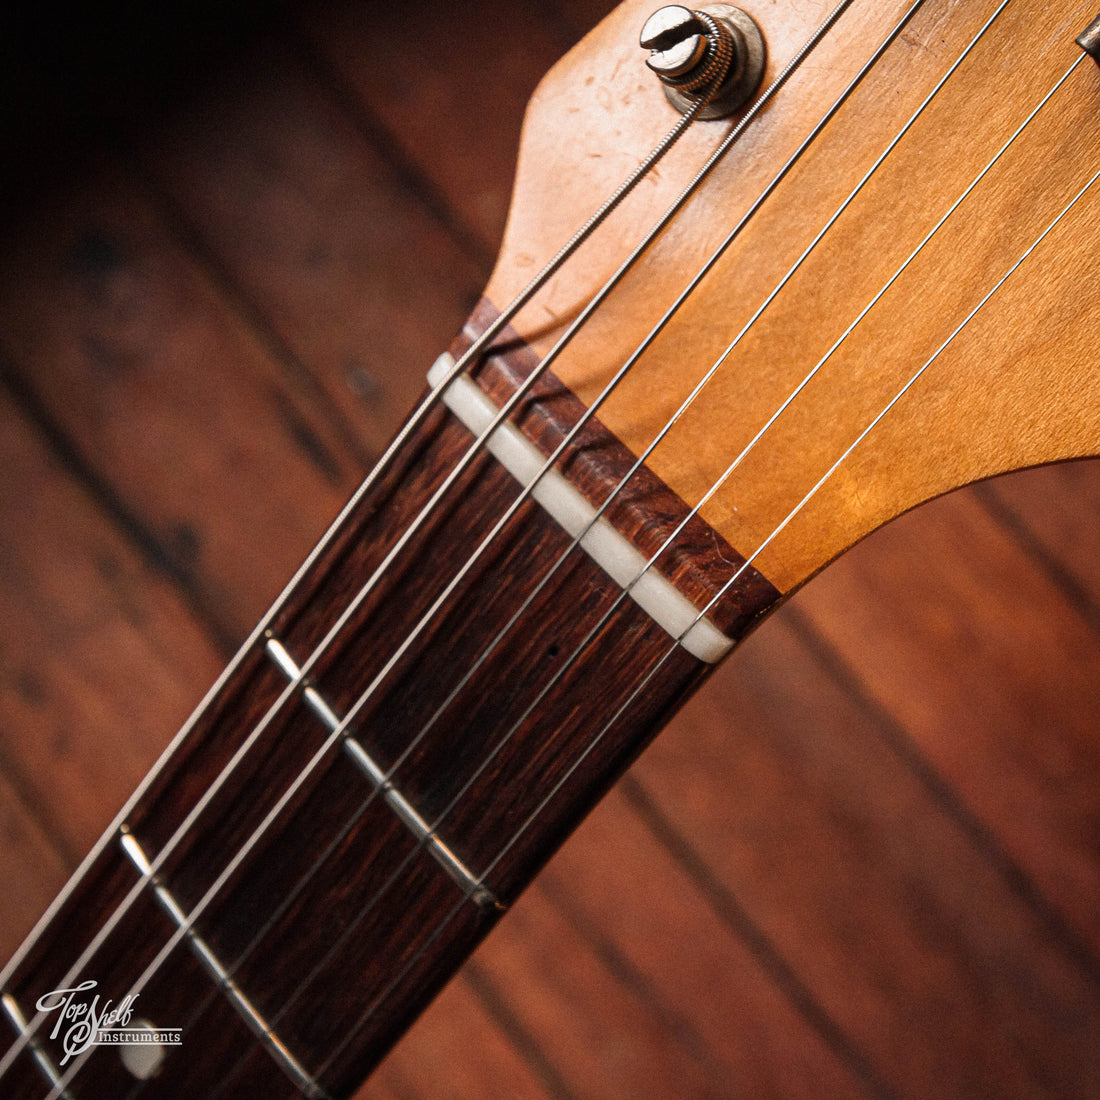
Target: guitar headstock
881, 300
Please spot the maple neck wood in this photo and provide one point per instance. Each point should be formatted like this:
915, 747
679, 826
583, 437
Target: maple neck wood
1018, 386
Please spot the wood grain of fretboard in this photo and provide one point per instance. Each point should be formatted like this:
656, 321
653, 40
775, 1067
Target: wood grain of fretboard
865, 858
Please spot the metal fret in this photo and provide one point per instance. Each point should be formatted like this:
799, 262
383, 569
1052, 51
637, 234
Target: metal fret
213, 965
444, 855
41, 1056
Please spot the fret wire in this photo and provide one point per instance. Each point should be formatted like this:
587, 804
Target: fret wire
421, 413
223, 980
42, 1059
364, 1019
590, 412
372, 478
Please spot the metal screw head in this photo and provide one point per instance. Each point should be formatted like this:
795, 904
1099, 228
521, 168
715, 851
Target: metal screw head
676, 38
691, 50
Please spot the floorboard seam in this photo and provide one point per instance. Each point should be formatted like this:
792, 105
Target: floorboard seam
1062, 577
526, 1046
376, 133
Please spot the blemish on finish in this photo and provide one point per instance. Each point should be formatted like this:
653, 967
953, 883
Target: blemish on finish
29, 687
362, 383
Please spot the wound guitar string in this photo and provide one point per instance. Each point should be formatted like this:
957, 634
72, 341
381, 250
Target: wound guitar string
114, 831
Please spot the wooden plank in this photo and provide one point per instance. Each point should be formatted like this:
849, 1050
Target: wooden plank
1009, 681
452, 95
582, 15
889, 842
100, 660
132, 352
650, 925
899, 926
1052, 511
325, 242
31, 868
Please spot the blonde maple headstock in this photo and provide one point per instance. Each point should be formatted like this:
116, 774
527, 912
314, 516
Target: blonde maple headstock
1018, 386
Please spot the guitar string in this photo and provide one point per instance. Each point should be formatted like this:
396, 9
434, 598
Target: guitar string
429, 402
780, 80
1067, 74
364, 1019
953, 208
277, 913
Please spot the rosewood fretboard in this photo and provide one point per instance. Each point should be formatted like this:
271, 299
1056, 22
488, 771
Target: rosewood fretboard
377, 856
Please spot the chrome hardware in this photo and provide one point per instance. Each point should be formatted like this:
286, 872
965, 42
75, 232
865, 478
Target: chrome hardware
716, 52
676, 40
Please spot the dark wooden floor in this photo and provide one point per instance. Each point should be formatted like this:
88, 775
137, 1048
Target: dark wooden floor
866, 861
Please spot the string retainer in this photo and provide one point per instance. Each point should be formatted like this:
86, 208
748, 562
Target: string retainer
715, 53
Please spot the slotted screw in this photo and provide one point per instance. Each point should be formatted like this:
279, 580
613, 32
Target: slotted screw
676, 39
